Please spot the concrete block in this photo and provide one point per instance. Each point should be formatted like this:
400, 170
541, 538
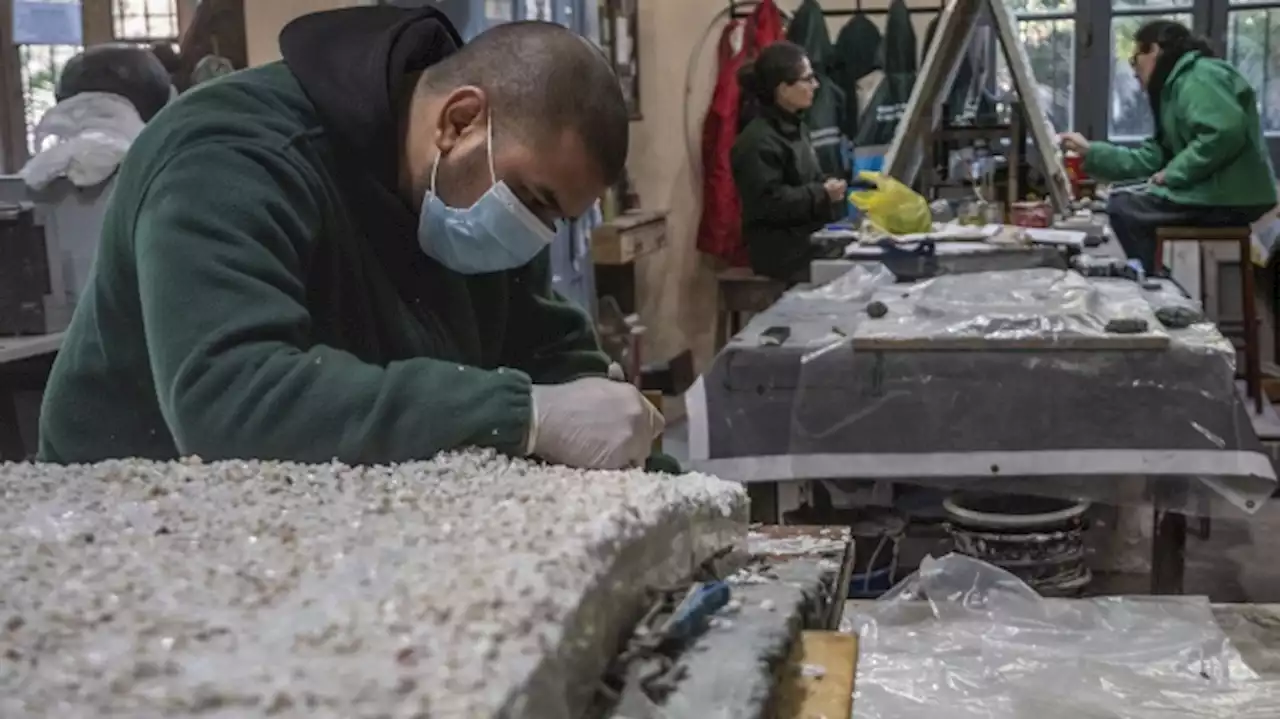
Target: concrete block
468, 586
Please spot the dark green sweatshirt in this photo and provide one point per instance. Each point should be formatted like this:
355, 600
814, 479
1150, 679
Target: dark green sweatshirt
237, 310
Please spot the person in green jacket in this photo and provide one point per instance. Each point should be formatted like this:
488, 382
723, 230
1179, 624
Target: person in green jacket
1207, 164
785, 196
343, 255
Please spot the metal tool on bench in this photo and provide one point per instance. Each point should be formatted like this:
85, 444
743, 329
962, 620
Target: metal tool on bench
676, 618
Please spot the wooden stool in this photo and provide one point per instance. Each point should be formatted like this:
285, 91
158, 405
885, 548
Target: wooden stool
1241, 236
741, 292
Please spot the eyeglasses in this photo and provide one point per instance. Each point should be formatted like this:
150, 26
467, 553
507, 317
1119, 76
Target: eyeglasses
808, 79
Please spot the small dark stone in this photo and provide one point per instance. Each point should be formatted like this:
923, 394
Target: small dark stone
877, 309
1127, 326
1176, 317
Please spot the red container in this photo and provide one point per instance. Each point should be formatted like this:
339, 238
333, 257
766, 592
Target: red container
1031, 214
1074, 164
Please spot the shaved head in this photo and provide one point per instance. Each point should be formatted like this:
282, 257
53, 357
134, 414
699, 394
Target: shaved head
541, 79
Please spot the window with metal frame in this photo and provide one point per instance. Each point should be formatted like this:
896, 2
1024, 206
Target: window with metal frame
1128, 112
145, 21
1253, 46
1245, 32
1047, 29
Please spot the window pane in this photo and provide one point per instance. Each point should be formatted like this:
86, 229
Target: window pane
1122, 5
41, 66
145, 19
1253, 46
537, 10
1050, 46
499, 11
1130, 115
1034, 6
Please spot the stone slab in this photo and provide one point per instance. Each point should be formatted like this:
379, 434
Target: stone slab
468, 586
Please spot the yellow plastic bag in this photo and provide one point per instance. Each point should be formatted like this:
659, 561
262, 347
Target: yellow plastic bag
892, 205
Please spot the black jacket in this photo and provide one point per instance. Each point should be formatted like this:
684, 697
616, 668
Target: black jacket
783, 201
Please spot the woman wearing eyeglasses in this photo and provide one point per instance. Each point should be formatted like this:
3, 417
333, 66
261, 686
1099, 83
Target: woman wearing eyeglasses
785, 196
1207, 164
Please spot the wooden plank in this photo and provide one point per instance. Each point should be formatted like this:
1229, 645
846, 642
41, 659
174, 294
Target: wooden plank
1024, 83
13, 120
937, 74
186, 13
96, 22
628, 237
655, 399
955, 31
1136, 342
819, 679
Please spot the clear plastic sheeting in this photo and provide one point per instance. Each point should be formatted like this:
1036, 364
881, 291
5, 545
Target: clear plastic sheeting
1039, 382
1023, 307
858, 284
961, 639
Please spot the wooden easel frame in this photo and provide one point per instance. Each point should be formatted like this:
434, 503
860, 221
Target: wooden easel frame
924, 109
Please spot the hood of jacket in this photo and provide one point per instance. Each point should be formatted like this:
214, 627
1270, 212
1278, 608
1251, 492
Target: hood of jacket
857, 49
357, 65
899, 44
808, 29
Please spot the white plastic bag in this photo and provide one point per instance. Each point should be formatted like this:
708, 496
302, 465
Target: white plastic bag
83, 138
961, 639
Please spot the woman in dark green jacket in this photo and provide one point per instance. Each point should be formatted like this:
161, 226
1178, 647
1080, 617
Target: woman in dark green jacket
785, 197
1207, 163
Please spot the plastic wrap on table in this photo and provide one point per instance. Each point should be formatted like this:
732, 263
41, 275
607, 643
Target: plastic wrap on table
965, 640
1017, 382
1037, 308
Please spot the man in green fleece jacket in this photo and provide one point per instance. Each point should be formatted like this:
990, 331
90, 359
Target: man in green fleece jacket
1206, 165
343, 255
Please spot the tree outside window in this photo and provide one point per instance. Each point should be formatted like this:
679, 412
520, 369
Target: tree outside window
1047, 29
1253, 46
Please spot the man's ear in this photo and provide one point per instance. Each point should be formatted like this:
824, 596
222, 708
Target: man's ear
465, 111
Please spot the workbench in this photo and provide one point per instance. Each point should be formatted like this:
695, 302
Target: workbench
24, 370
840, 401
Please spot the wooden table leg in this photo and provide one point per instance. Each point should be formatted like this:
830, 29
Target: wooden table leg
1168, 550
764, 502
1252, 351
12, 448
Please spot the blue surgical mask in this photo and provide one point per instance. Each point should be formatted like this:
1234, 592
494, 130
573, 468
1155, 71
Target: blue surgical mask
496, 233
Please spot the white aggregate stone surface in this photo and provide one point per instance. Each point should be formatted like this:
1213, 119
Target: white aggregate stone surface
246, 589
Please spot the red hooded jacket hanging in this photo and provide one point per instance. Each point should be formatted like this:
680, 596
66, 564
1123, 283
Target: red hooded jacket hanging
720, 229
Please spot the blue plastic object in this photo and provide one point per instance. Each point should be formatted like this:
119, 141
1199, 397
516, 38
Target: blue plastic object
694, 614
868, 163
864, 586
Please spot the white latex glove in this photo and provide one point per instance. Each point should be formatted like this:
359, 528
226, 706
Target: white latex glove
593, 423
